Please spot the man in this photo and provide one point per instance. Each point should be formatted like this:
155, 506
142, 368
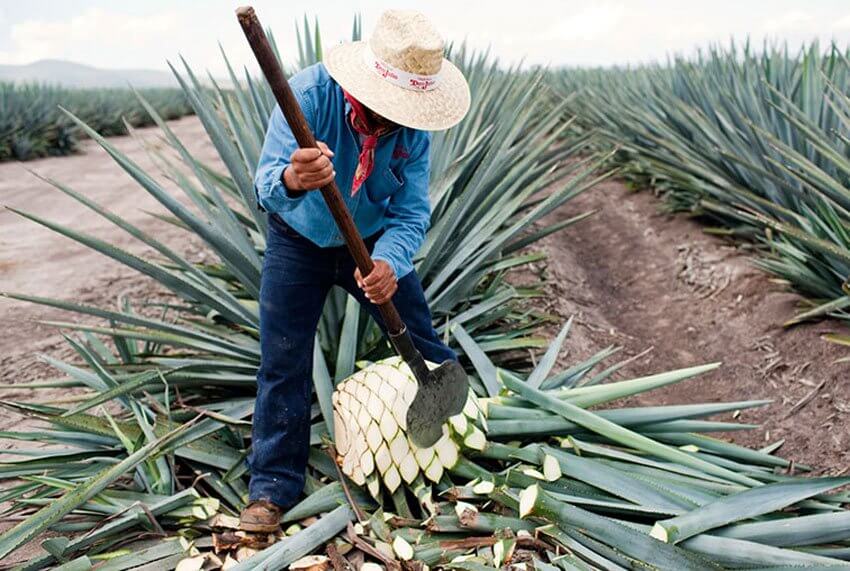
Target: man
372, 104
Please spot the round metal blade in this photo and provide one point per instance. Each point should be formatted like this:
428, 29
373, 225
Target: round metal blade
438, 397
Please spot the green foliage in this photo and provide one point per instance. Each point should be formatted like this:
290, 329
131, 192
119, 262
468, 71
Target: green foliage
32, 124
756, 141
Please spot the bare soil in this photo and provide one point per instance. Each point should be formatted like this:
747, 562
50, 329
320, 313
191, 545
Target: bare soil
639, 278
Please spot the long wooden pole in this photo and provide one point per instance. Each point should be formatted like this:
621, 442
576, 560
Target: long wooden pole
304, 136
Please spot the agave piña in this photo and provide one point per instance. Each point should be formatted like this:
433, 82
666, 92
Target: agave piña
370, 427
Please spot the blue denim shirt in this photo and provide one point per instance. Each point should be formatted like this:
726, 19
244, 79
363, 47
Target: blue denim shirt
394, 198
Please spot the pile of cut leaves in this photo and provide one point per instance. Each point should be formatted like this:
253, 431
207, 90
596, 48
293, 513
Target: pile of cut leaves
565, 479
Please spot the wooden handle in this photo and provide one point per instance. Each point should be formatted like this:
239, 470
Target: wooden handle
304, 136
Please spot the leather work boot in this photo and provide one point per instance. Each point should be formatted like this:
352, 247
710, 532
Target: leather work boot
260, 516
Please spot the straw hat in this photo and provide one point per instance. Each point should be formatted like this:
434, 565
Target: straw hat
401, 74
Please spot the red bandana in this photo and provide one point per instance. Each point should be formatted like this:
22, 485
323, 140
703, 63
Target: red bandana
360, 122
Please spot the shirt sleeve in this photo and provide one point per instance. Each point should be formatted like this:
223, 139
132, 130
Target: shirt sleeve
278, 146
408, 214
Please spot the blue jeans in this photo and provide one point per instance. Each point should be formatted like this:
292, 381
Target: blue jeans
297, 276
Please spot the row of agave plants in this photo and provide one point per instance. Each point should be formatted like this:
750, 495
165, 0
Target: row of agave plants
32, 125
755, 140
147, 469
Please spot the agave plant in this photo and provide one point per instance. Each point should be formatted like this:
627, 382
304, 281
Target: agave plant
493, 180
33, 126
756, 141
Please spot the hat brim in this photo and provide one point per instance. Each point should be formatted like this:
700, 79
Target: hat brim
433, 110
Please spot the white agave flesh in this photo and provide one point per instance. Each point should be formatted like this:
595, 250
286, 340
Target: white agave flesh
370, 412
402, 548
551, 468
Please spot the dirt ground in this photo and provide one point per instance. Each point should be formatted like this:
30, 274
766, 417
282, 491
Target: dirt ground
632, 277
38, 261
638, 278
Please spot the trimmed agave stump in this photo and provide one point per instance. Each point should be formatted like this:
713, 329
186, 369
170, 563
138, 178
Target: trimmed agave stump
370, 428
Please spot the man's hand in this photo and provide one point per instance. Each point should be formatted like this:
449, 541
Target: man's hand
380, 285
309, 169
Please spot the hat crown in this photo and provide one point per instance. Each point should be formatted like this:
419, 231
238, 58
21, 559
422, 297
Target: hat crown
406, 39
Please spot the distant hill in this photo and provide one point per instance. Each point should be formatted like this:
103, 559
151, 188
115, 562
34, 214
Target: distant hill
70, 74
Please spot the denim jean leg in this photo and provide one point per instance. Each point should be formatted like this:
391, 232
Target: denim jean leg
410, 302
296, 278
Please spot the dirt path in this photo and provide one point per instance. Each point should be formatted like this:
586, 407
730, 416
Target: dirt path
38, 261
638, 278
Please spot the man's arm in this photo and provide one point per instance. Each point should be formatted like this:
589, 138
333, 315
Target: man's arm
408, 214
284, 171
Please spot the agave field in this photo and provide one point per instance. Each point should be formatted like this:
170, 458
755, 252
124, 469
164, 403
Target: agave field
546, 468
756, 141
32, 125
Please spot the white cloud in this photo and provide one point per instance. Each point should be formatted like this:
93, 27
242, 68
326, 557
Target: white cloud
572, 32
95, 36
591, 22
793, 20
843, 23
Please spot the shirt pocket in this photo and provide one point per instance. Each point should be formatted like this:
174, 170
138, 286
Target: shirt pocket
386, 185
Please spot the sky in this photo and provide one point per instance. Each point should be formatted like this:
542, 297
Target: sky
146, 34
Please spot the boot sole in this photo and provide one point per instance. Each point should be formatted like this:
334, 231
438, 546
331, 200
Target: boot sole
259, 527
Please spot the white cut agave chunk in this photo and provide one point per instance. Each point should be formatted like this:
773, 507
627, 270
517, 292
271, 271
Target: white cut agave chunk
373, 484
362, 415
191, 563
498, 553
402, 548
376, 406
357, 475
373, 436
446, 450
470, 408
551, 468
434, 471
424, 456
340, 433
363, 393
369, 566
461, 507
459, 423
383, 459
399, 410
536, 474
483, 487
373, 381
392, 479
475, 439
311, 563
399, 448
408, 467
527, 499
389, 427
367, 463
